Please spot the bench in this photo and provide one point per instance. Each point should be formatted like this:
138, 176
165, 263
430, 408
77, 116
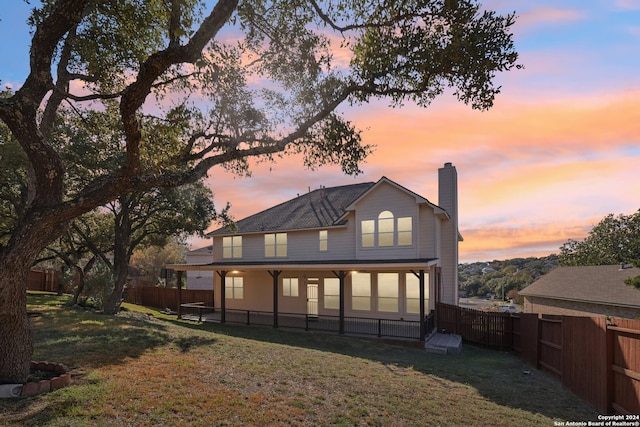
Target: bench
200, 306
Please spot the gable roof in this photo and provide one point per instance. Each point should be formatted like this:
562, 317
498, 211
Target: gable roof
319, 208
419, 199
324, 207
600, 284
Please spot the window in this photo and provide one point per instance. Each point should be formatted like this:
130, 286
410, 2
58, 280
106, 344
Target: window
232, 247
385, 228
290, 286
368, 231
361, 291
275, 245
405, 231
384, 232
412, 284
388, 292
332, 293
323, 235
234, 287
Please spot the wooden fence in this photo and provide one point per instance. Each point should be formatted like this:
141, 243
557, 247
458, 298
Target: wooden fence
598, 360
160, 297
489, 329
43, 280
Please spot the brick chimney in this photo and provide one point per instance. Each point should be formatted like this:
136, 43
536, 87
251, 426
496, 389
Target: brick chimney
448, 200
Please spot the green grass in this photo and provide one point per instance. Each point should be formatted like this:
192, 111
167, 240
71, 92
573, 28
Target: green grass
145, 369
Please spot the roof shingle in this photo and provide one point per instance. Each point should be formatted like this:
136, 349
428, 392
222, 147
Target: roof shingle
316, 209
602, 284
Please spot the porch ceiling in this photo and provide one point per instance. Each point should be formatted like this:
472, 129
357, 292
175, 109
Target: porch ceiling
308, 265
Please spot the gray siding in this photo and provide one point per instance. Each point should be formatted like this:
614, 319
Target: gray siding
386, 198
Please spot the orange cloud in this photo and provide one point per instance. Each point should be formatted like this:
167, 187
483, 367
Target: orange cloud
531, 175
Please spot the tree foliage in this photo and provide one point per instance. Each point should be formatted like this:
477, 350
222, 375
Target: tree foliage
614, 240
212, 84
150, 261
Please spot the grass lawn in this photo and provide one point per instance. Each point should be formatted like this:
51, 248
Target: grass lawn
141, 368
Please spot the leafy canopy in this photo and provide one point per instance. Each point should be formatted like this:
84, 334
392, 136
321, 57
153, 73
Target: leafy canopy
613, 240
216, 83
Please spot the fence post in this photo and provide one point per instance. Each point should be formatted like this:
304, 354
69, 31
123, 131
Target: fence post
610, 340
379, 328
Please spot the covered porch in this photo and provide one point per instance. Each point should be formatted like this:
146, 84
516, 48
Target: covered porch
322, 296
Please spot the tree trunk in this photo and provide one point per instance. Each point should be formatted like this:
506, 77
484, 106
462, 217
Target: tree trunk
81, 278
16, 345
121, 256
112, 303
16, 259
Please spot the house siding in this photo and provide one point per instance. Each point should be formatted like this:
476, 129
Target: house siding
258, 294
433, 250
387, 198
428, 232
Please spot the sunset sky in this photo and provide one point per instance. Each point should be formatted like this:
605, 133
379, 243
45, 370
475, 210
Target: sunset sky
559, 150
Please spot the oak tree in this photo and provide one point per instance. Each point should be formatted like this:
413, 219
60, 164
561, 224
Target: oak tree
225, 81
614, 240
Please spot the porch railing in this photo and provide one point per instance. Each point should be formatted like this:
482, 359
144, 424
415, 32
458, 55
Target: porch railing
352, 325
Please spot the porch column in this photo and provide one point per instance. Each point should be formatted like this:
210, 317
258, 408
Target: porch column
179, 286
423, 327
275, 274
213, 292
223, 299
341, 275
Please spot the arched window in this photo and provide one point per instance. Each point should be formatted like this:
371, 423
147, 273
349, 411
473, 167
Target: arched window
386, 228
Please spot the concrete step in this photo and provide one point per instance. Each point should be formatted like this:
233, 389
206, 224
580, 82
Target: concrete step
444, 344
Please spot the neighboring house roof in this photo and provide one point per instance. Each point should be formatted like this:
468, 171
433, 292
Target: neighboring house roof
206, 250
599, 284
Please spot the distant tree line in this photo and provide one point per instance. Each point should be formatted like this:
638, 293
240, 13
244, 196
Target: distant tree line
614, 240
503, 278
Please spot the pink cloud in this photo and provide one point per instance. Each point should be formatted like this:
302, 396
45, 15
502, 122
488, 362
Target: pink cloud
547, 14
627, 4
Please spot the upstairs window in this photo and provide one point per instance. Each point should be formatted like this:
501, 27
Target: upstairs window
232, 247
386, 231
323, 236
386, 228
405, 231
275, 245
368, 231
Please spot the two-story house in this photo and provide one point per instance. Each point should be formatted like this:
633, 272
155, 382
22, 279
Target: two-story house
373, 250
